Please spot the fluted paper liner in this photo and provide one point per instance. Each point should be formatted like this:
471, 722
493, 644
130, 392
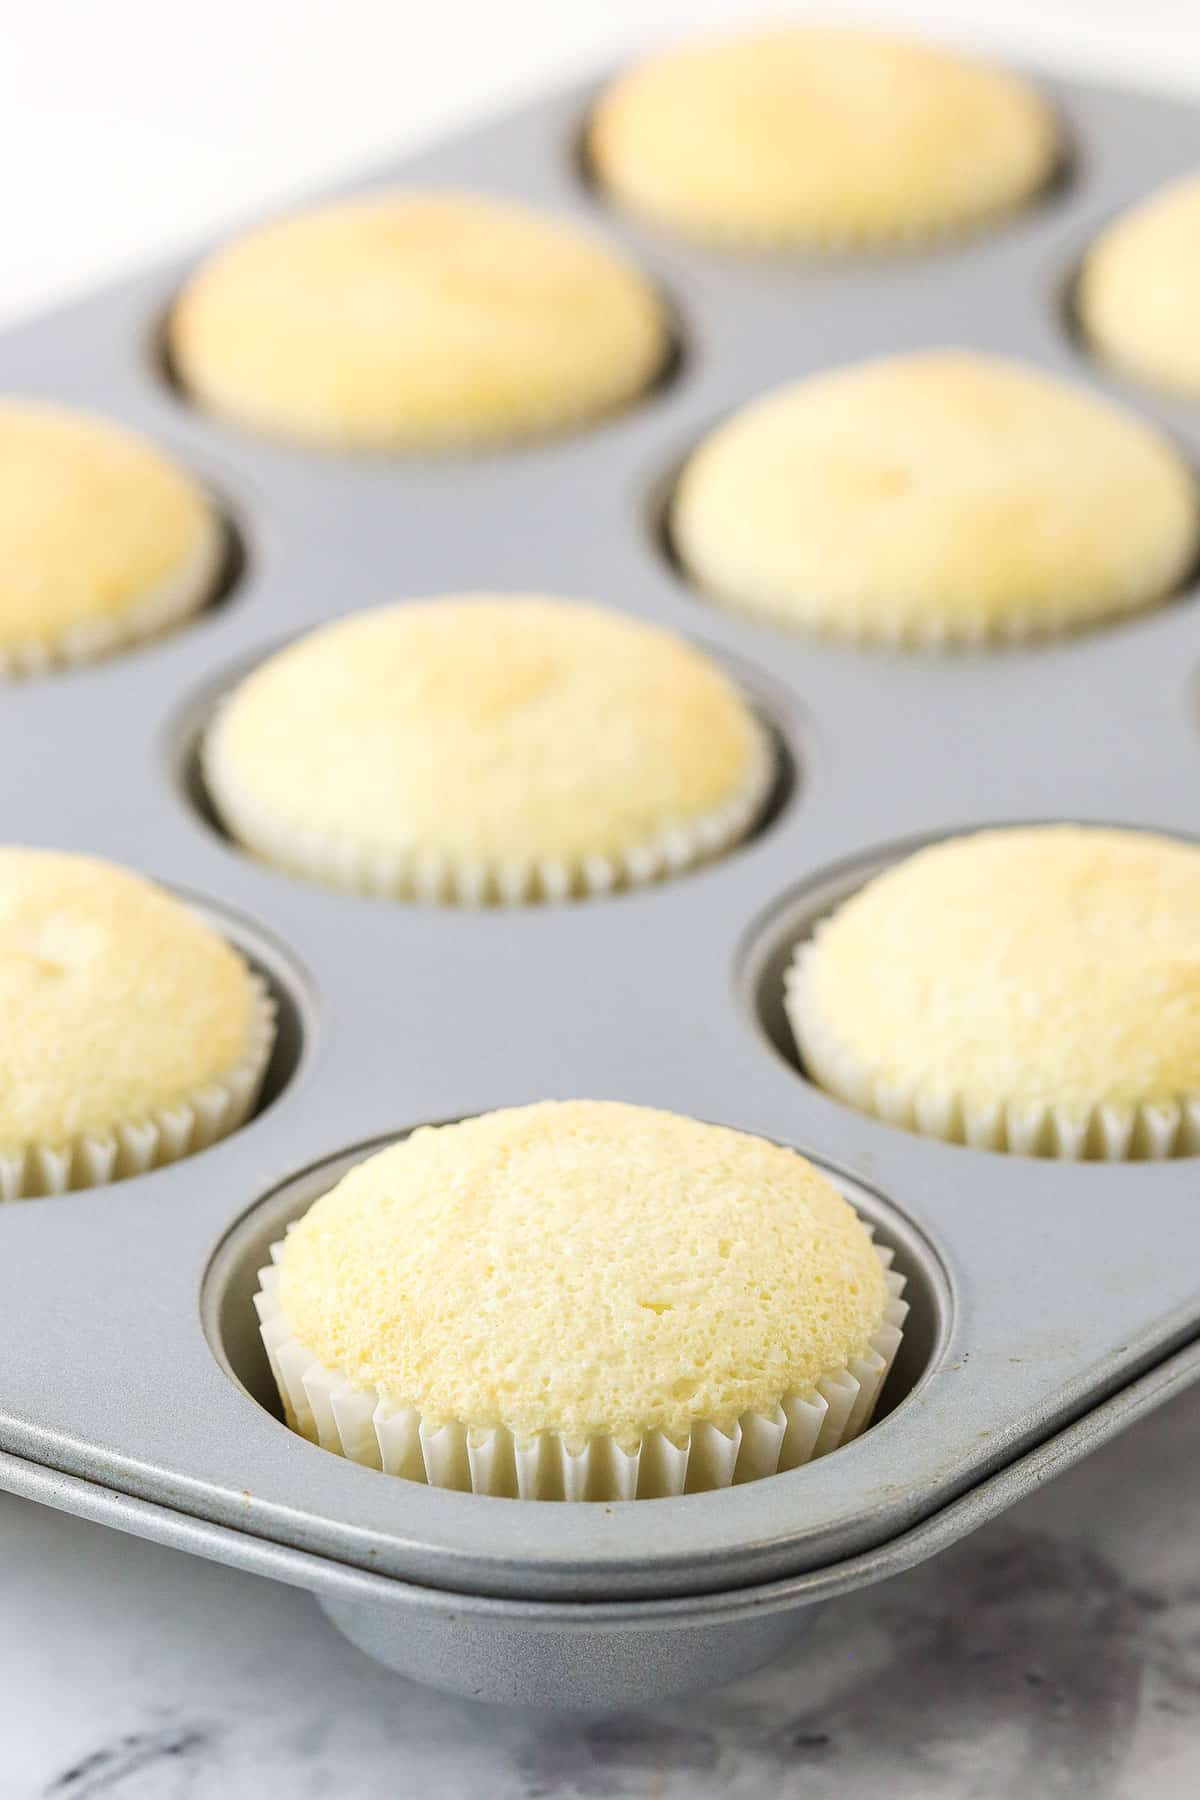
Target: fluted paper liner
163, 1136
835, 241
916, 625
1101, 1133
340, 862
835, 237
324, 1406
89, 640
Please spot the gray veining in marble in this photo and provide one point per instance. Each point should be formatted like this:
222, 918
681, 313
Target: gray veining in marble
1055, 1655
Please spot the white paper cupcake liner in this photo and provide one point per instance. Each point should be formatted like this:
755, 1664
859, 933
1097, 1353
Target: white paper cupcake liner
341, 863
1102, 1133
918, 625
173, 600
138, 1145
837, 238
327, 1408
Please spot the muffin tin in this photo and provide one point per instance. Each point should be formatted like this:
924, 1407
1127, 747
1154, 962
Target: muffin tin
1052, 1302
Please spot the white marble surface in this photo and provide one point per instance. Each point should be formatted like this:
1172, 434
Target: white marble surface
1055, 1655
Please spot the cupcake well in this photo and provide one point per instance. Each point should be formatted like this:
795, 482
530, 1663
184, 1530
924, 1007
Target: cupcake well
819, 137
155, 613
161, 1136
487, 750
417, 321
1030, 989
352, 868
324, 1406
104, 539
1138, 291
1106, 1133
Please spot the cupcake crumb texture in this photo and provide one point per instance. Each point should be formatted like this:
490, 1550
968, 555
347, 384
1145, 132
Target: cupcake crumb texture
1010, 972
1138, 298
936, 498
103, 540
497, 747
583, 1268
119, 1003
416, 320
822, 137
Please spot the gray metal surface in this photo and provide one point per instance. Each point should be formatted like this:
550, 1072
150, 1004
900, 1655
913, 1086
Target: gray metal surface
1041, 1289
592, 1654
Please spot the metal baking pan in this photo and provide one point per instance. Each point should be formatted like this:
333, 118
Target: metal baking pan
1051, 1301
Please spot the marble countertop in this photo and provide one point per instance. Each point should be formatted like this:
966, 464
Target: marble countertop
1055, 1655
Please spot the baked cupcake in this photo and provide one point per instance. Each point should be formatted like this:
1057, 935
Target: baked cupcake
580, 1300
133, 1034
1138, 297
484, 749
941, 498
1033, 990
819, 137
416, 321
103, 540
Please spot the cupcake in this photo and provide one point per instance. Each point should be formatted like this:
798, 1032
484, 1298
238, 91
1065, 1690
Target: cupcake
819, 137
484, 749
416, 321
580, 1300
937, 499
133, 1034
1031, 990
103, 540
1138, 297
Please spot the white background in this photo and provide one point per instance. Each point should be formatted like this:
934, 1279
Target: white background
132, 127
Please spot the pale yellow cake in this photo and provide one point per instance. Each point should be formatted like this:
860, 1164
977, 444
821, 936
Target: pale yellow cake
936, 498
103, 540
416, 320
120, 1006
997, 985
1138, 298
486, 748
821, 137
583, 1268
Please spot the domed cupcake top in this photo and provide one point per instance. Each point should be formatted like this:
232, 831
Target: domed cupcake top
119, 1003
939, 497
585, 1268
416, 320
485, 737
819, 136
103, 540
1048, 966
1138, 298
